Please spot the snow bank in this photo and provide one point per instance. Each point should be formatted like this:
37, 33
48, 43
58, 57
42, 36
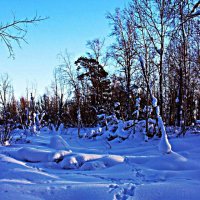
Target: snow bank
89, 161
173, 161
69, 163
58, 143
58, 155
32, 155
37, 155
112, 160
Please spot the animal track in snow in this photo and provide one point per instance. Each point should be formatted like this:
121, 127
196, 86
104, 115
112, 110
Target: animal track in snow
123, 192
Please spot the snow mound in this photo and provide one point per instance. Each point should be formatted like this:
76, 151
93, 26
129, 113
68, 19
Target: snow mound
112, 160
58, 143
69, 163
89, 161
66, 159
59, 155
103, 162
37, 155
32, 155
76, 160
82, 158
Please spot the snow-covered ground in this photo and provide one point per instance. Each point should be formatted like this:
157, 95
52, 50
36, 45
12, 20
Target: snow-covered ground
53, 168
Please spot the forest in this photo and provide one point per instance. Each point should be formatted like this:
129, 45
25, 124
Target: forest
120, 121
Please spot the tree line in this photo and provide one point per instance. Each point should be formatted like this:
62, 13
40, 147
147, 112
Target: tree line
164, 35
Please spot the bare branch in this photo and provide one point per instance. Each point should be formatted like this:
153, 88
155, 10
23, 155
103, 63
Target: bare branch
15, 32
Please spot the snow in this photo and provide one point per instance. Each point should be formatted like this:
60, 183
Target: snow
33, 129
117, 104
93, 165
197, 122
101, 116
138, 102
92, 169
69, 163
31, 154
164, 145
57, 142
61, 129
177, 100
154, 102
121, 132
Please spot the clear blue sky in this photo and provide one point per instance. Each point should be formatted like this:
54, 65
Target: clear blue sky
71, 24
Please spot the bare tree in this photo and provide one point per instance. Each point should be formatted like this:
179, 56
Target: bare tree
15, 31
164, 145
123, 49
194, 11
156, 18
68, 73
182, 57
97, 51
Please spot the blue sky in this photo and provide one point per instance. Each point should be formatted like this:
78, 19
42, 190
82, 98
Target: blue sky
71, 24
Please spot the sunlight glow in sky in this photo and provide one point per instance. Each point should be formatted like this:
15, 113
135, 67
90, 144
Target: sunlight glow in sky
70, 26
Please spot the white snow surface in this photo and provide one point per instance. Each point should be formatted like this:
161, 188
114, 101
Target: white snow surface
164, 145
57, 142
92, 169
154, 101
